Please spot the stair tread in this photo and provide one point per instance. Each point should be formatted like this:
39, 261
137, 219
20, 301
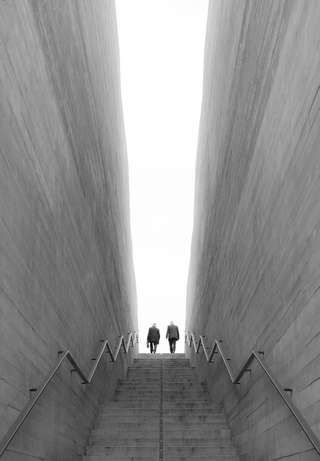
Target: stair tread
192, 426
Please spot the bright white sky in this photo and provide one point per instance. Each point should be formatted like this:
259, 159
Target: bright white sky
161, 55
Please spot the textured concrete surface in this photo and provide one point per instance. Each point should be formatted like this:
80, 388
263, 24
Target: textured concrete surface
255, 266
66, 270
161, 412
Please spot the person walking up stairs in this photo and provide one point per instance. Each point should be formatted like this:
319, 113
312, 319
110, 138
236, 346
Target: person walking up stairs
160, 412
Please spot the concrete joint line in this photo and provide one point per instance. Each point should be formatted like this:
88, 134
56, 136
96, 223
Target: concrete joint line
161, 415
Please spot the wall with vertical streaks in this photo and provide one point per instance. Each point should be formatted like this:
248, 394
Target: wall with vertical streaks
255, 265
66, 272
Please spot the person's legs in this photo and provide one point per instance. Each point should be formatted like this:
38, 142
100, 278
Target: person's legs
170, 345
151, 347
174, 345
154, 348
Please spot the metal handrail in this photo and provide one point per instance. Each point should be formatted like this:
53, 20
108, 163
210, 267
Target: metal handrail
65, 355
235, 379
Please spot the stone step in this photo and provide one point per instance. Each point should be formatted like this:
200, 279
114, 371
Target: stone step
198, 442
167, 363
155, 457
194, 433
120, 458
123, 451
192, 399
118, 446
167, 391
118, 434
147, 371
133, 387
138, 376
167, 395
183, 414
176, 391
125, 440
188, 405
184, 368
150, 378
173, 404
138, 412
197, 415
155, 399
157, 371
133, 393
212, 457
131, 433
200, 426
185, 371
189, 420
133, 457
128, 416
138, 372
145, 451
141, 440
155, 374
141, 388
128, 427
213, 454
143, 381
142, 405
210, 453
204, 410
137, 397
146, 394
179, 380
152, 433
184, 394
169, 421
205, 447
178, 363
179, 372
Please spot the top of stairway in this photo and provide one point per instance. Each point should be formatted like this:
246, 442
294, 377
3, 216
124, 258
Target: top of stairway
175, 356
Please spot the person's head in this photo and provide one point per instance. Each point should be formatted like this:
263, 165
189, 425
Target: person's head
171, 323
154, 325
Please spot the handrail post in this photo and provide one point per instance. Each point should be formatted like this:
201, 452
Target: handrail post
37, 393
235, 379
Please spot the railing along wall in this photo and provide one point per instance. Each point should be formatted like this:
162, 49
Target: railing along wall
236, 378
66, 355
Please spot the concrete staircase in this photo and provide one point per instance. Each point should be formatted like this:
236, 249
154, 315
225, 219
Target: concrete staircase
160, 412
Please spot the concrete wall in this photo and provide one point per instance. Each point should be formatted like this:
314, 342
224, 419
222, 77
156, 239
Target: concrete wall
255, 266
65, 253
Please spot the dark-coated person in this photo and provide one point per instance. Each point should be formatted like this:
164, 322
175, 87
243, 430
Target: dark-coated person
153, 338
172, 336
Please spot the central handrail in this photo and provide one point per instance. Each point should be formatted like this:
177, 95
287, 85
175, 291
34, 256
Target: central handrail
66, 355
235, 379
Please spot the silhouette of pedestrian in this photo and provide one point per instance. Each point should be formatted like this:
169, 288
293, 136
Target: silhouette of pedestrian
153, 338
172, 336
